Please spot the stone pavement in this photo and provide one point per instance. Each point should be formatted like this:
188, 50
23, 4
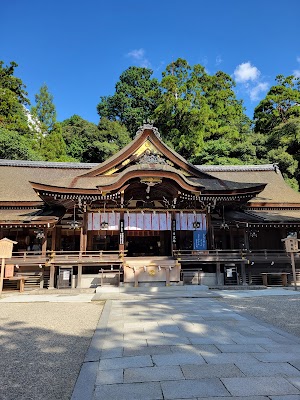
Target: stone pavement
187, 348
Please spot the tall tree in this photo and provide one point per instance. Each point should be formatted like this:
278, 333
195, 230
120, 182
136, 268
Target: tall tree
12, 83
14, 146
112, 137
78, 134
134, 101
44, 110
53, 146
195, 108
280, 104
13, 99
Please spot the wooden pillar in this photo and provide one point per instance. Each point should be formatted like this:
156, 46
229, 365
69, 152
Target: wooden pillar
51, 279
58, 238
53, 242
231, 238
210, 233
246, 239
167, 276
79, 276
136, 278
212, 237
44, 242
243, 273
250, 274
83, 233
218, 273
90, 240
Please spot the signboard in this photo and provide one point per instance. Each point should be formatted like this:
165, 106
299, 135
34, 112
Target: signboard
199, 240
9, 270
6, 248
174, 231
121, 231
66, 275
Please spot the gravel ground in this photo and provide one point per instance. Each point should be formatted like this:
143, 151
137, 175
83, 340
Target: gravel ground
280, 311
42, 346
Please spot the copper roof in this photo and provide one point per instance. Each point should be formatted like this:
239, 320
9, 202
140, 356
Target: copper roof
15, 178
277, 193
30, 216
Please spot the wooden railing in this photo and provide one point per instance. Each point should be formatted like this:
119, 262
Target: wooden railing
235, 255
66, 257
101, 256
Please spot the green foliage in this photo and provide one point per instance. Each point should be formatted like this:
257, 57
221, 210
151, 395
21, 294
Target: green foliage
12, 83
196, 108
134, 101
78, 133
87, 142
53, 146
13, 146
12, 100
280, 104
44, 111
112, 137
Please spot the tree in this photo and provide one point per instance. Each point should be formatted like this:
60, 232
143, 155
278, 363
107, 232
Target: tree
134, 101
112, 137
12, 100
53, 146
78, 134
44, 111
12, 83
281, 103
195, 108
13, 146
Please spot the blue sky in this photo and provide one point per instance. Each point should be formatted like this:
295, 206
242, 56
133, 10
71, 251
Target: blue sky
80, 48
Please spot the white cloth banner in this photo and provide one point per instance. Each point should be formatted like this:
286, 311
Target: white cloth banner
90, 221
186, 221
147, 221
96, 219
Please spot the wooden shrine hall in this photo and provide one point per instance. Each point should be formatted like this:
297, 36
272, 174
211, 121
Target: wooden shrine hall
146, 216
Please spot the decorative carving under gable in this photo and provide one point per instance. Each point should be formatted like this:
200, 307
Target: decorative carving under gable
148, 126
150, 158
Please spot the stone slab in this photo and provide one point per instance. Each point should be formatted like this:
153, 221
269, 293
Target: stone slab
179, 358
193, 388
109, 376
240, 348
129, 391
151, 374
84, 386
211, 371
267, 369
263, 386
125, 362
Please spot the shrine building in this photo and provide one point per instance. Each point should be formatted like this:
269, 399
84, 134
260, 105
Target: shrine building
145, 216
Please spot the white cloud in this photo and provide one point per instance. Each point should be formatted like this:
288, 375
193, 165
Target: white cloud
246, 72
139, 56
256, 90
219, 60
296, 73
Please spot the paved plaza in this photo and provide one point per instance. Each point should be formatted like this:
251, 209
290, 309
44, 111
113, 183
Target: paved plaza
187, 348
151, 344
